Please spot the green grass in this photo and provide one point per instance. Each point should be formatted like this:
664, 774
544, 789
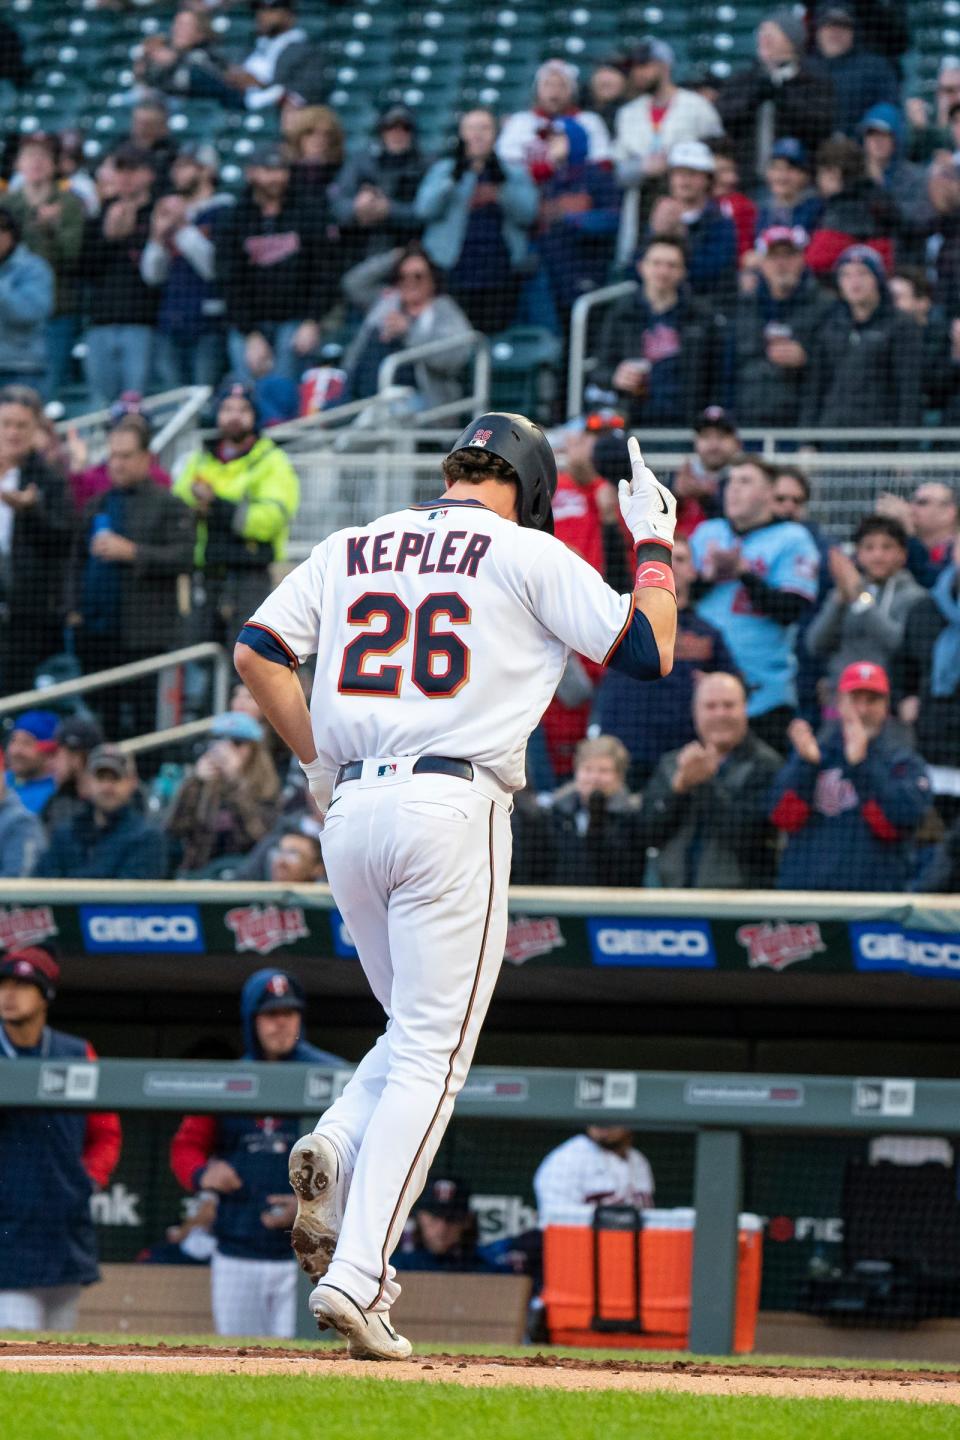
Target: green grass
625, 1357
236, 1407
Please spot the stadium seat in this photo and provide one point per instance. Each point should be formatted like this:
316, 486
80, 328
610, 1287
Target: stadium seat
525, 361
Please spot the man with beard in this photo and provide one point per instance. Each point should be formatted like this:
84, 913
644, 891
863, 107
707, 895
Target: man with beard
601, 1167
245, 493
662, 115
179, 259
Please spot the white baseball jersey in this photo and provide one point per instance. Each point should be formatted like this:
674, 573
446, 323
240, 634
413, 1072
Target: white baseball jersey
445, 602
580, 1175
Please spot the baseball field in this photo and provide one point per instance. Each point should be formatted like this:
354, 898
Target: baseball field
101, 1389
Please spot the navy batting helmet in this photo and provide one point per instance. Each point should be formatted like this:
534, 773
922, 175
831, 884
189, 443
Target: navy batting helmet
524, 446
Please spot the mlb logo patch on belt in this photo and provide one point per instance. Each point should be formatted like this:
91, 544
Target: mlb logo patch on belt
384, 770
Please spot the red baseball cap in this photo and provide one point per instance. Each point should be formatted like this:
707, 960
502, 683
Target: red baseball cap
792, 235
33, 964
864, 675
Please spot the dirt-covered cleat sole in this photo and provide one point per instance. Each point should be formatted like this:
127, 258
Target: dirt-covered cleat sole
369, 1336
318, 1181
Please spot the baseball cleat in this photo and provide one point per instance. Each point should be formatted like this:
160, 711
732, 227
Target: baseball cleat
369, 1336
320, 1185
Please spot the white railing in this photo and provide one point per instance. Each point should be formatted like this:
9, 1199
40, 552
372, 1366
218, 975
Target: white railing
577, 362
173, 414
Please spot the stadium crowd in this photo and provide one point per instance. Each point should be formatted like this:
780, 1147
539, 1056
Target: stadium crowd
793, 243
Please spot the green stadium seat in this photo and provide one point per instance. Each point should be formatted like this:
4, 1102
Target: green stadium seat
525, 363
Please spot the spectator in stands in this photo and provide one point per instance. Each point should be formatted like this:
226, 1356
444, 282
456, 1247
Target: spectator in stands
187, 63
865, 614
790, 198
26, 305
477, 213
924, 139
865, 361
758, 577
607, 89
22, 836
579, 214
689, 213
881, 131
727, 192
926, 679
931, 520
586, 513
776, 329
121, 308
72, 171
245, 494
658, 350
850, 801
51, 1162
86, 480
228, 802
591, 826
30, 758
35, 525
778, 95
284, 61
705, 809
77, 736
297, 860
943, 252
133, 543
860, 78
523, 136
52, 221
373, 196
277, 275
315, 135
442, 1234
698, 484
651, 719
179, 261
402, 296
599, 1167
243, 1160
150, 132
855, 209
912, 294
791, 501
108, 839
662, 115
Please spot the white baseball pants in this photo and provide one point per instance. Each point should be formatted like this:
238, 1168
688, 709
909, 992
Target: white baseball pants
419, 866
253, 1297
45, 1307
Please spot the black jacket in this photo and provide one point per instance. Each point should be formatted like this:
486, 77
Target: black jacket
162, 528
769, 394
568, 843
273, 268
937, 731
398, 176
39, 547
116, 291
685, 379
716, 835
865, 374
803, 108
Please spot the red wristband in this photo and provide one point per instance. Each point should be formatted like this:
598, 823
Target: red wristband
655, 575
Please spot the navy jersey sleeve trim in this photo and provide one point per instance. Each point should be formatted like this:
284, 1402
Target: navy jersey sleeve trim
267, 643
635, 651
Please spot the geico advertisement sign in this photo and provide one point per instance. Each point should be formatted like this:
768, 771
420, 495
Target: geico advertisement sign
142, 928
679, 944
879, 946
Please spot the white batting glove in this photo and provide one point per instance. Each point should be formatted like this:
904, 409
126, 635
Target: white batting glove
649, 508
318, 782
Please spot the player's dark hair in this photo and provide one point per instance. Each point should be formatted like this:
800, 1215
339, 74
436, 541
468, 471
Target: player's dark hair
469, 467
880, 525
793, 472
770, 472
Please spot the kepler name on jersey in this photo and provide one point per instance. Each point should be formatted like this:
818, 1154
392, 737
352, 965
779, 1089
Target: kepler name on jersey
371, 554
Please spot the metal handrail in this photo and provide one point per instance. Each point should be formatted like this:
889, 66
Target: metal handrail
180, 419
579, 317
134, 670
173, 735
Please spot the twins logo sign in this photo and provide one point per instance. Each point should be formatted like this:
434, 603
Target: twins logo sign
263, 928
774, 947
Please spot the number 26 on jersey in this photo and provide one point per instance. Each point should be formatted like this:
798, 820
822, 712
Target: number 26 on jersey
440, 661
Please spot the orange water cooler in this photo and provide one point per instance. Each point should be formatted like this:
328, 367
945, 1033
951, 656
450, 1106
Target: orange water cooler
625, 1281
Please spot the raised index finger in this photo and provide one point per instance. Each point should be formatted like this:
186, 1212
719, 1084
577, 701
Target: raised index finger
633, 450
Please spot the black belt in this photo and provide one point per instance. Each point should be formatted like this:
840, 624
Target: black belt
426, 765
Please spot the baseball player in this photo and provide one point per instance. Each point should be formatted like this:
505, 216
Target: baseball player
440, 634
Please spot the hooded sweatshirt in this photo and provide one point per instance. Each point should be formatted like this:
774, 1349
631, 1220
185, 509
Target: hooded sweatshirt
905, 184
257, 1146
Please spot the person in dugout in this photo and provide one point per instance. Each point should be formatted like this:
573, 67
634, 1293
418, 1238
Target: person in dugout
51, 1162
242, 1159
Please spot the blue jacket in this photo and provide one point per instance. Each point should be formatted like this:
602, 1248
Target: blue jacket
22, 838
860, 79
577, 248
257, 1146
46, 1233
849, 827
442, 202
26, 304
126, 848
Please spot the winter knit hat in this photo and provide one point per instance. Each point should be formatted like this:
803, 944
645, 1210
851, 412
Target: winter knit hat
786, 19
866, 255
